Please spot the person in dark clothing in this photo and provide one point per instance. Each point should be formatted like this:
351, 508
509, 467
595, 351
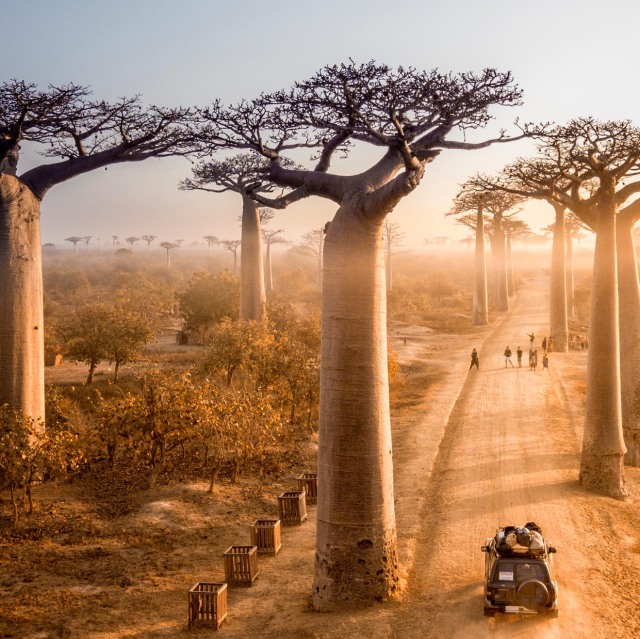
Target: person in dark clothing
519, 356
507, 357
532, 339
474, 360
544, 344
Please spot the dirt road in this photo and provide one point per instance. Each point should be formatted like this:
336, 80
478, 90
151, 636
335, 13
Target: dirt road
510, 454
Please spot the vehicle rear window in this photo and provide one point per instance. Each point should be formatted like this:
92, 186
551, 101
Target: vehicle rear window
519, 571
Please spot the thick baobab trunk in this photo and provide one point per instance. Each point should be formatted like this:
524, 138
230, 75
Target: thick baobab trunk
603, 449
502, 292
21, 314
252, 295
629, 308
268, 274
559, 328
480, 302
356, 549
509, 266
569, 278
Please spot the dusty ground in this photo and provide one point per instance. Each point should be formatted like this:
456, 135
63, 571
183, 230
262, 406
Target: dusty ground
472, 450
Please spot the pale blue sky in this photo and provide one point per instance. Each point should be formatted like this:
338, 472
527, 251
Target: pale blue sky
571, 58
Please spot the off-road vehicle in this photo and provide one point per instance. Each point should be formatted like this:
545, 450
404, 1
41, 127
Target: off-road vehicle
519, 572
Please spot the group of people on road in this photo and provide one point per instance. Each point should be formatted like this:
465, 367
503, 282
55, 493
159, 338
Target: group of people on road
547, 346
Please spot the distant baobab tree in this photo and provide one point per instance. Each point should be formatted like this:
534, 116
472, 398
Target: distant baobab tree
410, 116
86, 239
392, 237
241, 175
233, 246
312, 244
179, 243
210, 240
131, 240
114, 240
270, 236
168, 246
148, 239
467, 241
479, 209
441, 240
77, 134
513, 229
74, 239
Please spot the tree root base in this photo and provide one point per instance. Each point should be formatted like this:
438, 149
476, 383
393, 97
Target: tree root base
604, 474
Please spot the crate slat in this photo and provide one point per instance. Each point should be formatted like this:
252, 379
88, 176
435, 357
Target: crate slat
309, 483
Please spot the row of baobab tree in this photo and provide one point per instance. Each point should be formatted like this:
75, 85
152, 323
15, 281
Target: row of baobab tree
410, 117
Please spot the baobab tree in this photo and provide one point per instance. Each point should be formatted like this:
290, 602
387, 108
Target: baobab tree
232, 246
210, 240
80, 134
114, 240
168, 246
392, 237
131, 240
486, 211
86, 239
574, 227
270, 236
74, 239
312, 244
513, 229
240, 174
408, 115
148, 239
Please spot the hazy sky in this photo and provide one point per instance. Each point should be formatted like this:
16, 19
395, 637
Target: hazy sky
571, 58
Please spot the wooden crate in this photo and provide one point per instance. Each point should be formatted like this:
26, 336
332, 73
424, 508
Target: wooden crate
292, 506
241, 565
265, 534
309, 483
208, 604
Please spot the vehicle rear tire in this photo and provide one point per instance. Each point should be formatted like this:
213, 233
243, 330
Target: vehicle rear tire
533, 594
490, 612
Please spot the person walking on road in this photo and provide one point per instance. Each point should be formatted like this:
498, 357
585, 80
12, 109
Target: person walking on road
550, 345
507, 357
532, 338
519, 356
474, 360
533, 359
544, 344
545, 362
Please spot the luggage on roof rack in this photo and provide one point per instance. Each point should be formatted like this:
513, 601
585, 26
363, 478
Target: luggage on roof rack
520, 540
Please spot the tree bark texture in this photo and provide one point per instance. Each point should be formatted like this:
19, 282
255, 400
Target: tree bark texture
252, 295
356, 549
21, 304
480, 301
559, 327
629, 308
603, 449
570, 283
